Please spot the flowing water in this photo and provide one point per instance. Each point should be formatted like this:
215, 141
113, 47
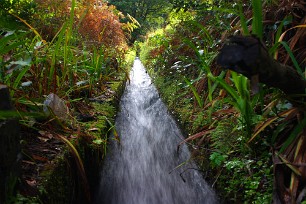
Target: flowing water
145, 166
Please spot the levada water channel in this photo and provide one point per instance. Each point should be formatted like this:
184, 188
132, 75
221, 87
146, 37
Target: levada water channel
144, 167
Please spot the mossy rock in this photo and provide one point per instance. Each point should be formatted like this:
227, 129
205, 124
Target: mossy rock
58, 181
61, 182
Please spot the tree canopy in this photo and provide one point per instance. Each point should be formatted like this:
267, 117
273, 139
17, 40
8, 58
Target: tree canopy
149, 13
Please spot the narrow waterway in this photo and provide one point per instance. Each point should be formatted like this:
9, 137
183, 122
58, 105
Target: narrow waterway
144, 167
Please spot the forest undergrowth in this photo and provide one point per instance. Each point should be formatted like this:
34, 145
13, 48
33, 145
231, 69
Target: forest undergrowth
250, 143
64, 63
248, 139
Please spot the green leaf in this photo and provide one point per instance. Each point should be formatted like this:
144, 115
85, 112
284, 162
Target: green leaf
12, 41
285, 21
195, 93
22, 62
294, 134
227, 87
97, 141
217, 159
207, 35
273, 49
257, 18
213, 87
296, 65
243, 21
18, 79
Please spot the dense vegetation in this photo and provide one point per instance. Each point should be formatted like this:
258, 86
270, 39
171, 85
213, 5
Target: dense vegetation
249, 142
150, 14
73, 56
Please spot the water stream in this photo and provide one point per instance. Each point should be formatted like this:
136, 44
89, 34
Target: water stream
144, 167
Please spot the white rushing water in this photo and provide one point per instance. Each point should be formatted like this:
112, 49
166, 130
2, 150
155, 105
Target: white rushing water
143, 168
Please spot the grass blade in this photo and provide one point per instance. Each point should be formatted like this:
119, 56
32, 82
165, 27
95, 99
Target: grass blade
269, 121
287, 163
227, 87
195, 93
296, 64
33, 29
257, 18
294, 134
18, 79
13, 40
243, 21
79, 163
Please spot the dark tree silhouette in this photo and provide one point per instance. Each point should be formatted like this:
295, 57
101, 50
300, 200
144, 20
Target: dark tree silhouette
249, 56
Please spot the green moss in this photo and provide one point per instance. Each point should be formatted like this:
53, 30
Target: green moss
60, 179
105, 114
226, 137
58, 182
20, 199
105, 109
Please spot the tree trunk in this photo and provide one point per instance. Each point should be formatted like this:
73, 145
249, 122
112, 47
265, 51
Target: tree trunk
248, 56
10, 156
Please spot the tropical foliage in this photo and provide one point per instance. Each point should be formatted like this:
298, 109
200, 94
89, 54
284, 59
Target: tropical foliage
247, 138
250, 143
68, 53
149, 13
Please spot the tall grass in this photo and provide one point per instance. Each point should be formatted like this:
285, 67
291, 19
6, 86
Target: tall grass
289, 148
239, 90
258, 121
33, 68
257, 26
